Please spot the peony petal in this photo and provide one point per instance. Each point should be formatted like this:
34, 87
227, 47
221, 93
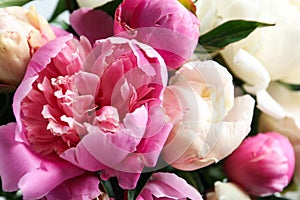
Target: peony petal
78, 188
38, 62
52, 172
94, 24
91, 3
287, 98
167, 185
235, 128
16, 158
249, 69
268, 105
82, 158
227, 191
119, 144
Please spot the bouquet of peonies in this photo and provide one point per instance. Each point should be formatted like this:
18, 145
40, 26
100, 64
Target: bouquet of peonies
150, 99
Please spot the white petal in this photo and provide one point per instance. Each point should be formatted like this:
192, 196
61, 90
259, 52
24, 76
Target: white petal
269, 105
91, 3
229, 191
248, 68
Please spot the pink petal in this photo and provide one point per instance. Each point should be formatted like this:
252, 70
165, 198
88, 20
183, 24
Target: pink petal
82, 158
94, 24
118, 144
167, 185
38, 62
52, 172
155, 137
78, 188
59, 32
16, 158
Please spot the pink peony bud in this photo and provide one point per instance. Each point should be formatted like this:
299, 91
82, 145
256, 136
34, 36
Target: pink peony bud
22, 32
262, 164
170, 29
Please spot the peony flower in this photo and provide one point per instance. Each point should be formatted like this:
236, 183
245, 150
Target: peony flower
129, 122
257, 59
227, 191
29, 149
168, 186
91, 3
159, 26
288, 125
263, 164
99, 110
209, 122
22, 32
93, 24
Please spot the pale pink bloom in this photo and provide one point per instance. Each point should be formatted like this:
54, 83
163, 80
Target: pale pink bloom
209, 122
22, 32
168, 186
99, 109
263, 164
93, 24
171, 29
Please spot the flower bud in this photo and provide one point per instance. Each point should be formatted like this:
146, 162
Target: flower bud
263, 164
22, 32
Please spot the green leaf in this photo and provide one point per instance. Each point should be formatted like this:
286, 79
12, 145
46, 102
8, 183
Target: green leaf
108, 188
6, 3
144, 178
229, 32
60, 7
110, 7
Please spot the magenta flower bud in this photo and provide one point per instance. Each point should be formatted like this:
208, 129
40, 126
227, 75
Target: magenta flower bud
263, 164
168, 27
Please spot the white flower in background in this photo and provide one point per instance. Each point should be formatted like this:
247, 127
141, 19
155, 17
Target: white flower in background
267, 54
91, 3
227, 191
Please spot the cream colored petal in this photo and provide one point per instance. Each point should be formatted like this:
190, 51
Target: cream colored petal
248, 68
288, 99
235, 128
213, 82
267, 104
230, 191
91, 3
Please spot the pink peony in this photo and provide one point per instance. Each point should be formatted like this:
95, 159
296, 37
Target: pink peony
168, 186
92, 110
22, 32
29, 148
263, 164
171, 29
